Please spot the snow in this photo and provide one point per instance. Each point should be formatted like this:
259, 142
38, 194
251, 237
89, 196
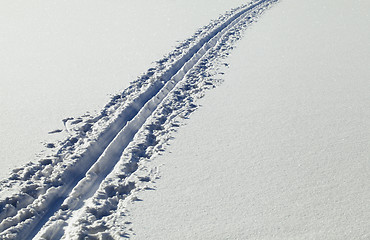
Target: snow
278, 149
79, 187
61, 59
281, 149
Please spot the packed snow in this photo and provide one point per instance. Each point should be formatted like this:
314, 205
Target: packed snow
245, 130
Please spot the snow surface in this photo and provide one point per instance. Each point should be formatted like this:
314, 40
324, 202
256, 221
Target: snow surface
61, 59
281, 149
79, 187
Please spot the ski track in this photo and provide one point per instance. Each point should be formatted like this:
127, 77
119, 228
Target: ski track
80, 188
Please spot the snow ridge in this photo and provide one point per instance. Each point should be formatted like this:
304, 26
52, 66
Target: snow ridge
95, 170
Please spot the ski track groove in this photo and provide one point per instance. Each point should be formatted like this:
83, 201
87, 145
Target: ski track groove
45, 217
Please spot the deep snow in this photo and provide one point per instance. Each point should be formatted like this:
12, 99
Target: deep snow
281, 149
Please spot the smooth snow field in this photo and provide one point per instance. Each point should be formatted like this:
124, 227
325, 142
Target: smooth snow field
206, 120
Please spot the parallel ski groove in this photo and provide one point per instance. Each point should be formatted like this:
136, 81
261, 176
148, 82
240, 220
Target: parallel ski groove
99, 161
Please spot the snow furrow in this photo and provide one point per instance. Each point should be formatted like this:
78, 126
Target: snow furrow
45, 216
